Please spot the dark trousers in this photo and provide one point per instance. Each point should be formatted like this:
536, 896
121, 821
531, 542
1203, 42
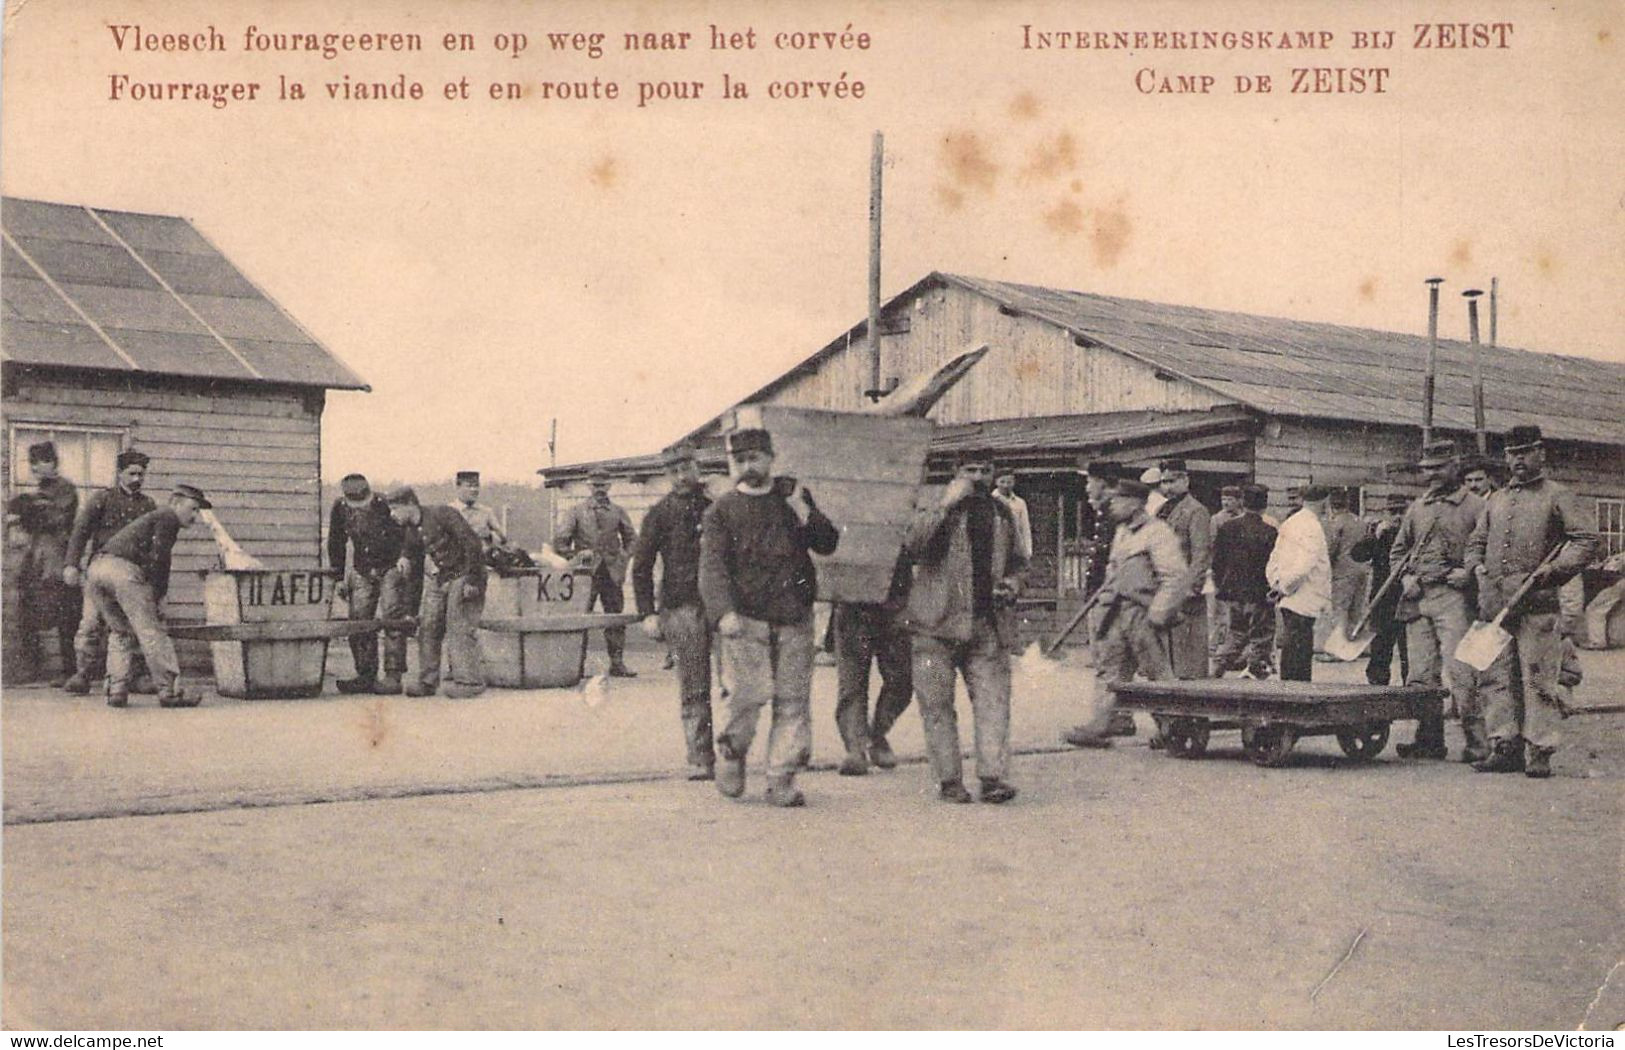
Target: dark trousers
606, 591
1389, 639
865, 633
1297, 646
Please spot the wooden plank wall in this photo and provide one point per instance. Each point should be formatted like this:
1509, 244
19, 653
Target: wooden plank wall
255, 451
1033, 369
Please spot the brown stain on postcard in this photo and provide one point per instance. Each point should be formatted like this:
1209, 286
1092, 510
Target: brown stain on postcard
967, 160
1054, 158
1368, 289
1112, 231
605, 173
374, 724
1024, 106
1065, 218
1462, 253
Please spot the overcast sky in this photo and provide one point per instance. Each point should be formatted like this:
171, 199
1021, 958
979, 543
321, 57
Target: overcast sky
489, 266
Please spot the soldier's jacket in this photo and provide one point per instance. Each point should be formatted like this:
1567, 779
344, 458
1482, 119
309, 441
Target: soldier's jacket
103, 515
1192, 526
1517, 527
1146, 568
603, 528
1451, 515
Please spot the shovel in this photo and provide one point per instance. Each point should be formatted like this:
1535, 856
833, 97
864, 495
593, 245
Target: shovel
1483, 642
1053, 647
1348, 645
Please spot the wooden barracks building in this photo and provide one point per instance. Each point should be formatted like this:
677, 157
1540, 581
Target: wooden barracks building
1073, 377
123, 330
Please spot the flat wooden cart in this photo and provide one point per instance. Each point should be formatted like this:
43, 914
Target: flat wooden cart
1273, 715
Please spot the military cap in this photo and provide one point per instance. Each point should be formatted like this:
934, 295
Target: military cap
403, 495
354, 486
1255, 497
1523, 437
598, 474
468, 477
1171, 466
1104, 469
753, 439
1130, 487
42, 452
1314, 493
1151, 476
195, 494
1233, 491
1437, 454
678, 454
131, 458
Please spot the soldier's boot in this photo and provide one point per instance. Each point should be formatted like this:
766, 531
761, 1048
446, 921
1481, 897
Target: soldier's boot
359, 684
782, 791
78, 684
173, 695
730, 771
1539, 765
856, 762
881, 754
1506, 756
422, 688
617, 658
996, 791
1478, 742
462, 690
954, 791
388, 685
1429, 740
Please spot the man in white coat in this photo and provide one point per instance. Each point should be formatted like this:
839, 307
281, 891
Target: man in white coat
1300, 571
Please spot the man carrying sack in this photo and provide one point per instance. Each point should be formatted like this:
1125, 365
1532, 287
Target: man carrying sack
1530, 532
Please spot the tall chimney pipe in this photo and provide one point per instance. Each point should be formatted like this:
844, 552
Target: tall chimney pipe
876, 159
1428, 377
1495, 295
1471, 295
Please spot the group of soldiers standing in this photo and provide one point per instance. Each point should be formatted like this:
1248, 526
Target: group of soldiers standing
1458, 553
737, 571
98, 575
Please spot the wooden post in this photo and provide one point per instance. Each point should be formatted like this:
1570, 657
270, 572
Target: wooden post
876, 159
1471, 295
1428, 377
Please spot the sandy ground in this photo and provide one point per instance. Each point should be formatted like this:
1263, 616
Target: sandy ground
528, 860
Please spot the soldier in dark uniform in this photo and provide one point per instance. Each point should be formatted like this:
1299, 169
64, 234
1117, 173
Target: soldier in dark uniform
374, 584
453, 595
102, 516
44, 518
1389, 636
671, 534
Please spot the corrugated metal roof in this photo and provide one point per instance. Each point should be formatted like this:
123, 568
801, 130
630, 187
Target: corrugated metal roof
125, 292
1300, 368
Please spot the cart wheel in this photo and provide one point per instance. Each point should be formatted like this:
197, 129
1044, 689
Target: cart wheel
1270, 744
1185, 737
1364, 742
